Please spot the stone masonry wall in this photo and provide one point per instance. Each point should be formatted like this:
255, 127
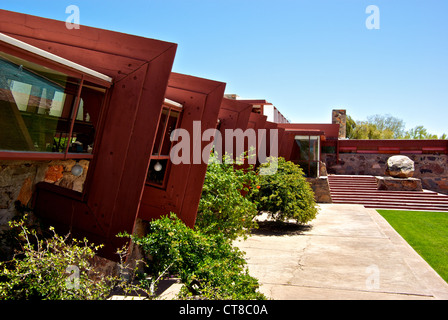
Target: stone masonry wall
432, 169
321, 189
18, 180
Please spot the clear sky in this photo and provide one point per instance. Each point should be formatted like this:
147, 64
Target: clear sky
307, 57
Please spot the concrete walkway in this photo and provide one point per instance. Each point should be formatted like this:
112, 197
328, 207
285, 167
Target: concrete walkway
347, 252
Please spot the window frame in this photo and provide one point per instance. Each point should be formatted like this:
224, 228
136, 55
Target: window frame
170, 106
41, 57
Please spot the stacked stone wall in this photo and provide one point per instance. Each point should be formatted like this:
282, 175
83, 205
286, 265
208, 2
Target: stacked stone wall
321, 189
432, 169
19, 178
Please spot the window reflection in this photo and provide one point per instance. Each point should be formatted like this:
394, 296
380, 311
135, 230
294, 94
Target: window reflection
305, 153
171, 125
37, 105
160, 132
86, 118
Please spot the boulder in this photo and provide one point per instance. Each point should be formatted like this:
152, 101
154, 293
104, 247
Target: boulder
399, 184
400, 167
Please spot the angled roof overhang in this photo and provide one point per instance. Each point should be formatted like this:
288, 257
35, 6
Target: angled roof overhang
12, 42
139, 68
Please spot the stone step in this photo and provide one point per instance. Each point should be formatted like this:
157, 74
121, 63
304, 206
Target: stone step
344, 183
352, 178
396, 205
344, 187
352, 181
363, 190
441, 201
357, 189
415, 199
387, 193
410, 208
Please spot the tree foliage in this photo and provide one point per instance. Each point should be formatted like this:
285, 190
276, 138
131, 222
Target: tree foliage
385, 127
286, 194
225, 205
420, 132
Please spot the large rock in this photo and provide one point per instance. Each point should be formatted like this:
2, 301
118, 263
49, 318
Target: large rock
399, 184
400, 167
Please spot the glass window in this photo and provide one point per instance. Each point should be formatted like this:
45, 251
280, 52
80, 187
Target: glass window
38, 104
157, 170
314, 148
83, 134
171, 125
308, 155
304, 148
160, 132
159, 163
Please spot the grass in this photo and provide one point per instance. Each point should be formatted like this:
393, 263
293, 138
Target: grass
426, 232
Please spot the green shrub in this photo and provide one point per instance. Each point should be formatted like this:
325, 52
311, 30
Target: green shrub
225, 205
285, 193
207, 264
48, 269
58, 268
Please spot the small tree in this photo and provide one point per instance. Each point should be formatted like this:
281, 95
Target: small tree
286, 193
225, 205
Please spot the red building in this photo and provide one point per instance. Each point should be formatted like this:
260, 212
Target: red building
86, 117
179, 187
109, 101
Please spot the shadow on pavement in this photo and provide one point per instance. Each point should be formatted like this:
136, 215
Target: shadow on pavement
278, 228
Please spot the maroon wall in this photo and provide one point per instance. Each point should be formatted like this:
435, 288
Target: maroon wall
140, 69
201, 100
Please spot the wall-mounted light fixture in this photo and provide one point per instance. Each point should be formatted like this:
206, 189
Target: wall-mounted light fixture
157, 166
77, 170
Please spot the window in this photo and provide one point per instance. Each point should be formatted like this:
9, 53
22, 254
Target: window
159, 161
87, 116
308, 154
44, 110
37, 105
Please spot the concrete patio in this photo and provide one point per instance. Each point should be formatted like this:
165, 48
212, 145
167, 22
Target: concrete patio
348, 252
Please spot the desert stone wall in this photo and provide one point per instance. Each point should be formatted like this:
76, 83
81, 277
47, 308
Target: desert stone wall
19, 178
321, 189
432, 169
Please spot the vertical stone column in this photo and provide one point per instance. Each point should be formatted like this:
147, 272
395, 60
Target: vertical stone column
339, 116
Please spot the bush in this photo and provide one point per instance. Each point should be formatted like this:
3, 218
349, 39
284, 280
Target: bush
42, 269
57, 268
285, 193
208, 265
225, 205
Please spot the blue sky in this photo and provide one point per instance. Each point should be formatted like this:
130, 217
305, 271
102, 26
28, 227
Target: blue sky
307, 57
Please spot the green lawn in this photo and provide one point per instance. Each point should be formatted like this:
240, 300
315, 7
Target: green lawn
426, 232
